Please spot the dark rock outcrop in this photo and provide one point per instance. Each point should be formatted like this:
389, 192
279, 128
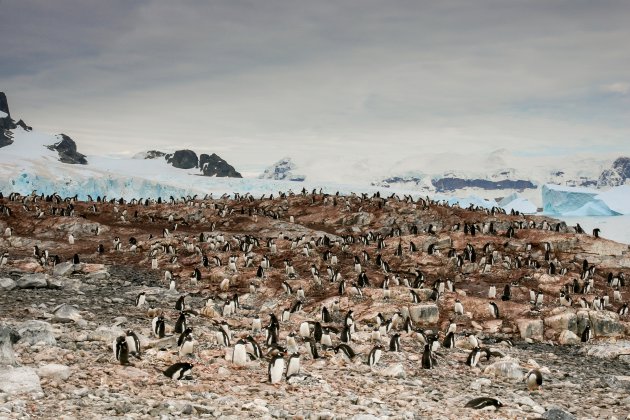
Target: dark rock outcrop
6, 123
67, 150
213, 165
5, 138
619, 174
183, 159
453, 184
154, 154
22, 124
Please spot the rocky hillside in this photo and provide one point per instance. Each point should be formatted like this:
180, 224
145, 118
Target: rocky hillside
208, 165
619, 174
391, 272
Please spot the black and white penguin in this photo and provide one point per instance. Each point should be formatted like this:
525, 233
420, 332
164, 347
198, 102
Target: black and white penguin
158, 326
133, 343
493, 309
253, 348
293, 366
587, 334
326, 317
345, 350
180, 370
180, 305
182, 336
375, 355
186, 345
533, 379
140, 299
623, 310
394, 343
473, 357
427, 357
507, 293
312, 348
458, 307
239, 355
449, 340
121, 350
473, 340
275, 369
483, 402
180, 325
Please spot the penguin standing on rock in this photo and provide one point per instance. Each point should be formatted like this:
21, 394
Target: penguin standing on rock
458, 308
494, 309
427, 357
293, 367
158, 326
473, 357
587, 334
375, 355
121, 350
140, 299
133, 343
239, 356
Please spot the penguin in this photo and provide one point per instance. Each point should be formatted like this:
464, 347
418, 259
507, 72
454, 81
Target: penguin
182, 336
223, 338
239, 355
133, 343
587, 334
312, 348
492, 292
186, 346
494, 309
121, 350
293, 366
473, 357
180, 370
473, 340
180, 325
534, 380
458, 307
305, 330
483, 402
375, 355
507, 293
292, 346
275, 369
158, 326
427, 357
180, 305
623, 310
326, 317
346, 350
346, 335
256, 324
76, 259
449, 340
253, 348
394, 343
140, 299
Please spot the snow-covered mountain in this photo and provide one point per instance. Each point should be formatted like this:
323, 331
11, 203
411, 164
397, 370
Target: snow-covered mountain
282, 170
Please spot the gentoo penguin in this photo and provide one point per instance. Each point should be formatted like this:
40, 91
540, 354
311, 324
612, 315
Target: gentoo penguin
293, 366
326, 340
71, 239
187, 345
346, 350
587, 334
452, 327
276, 368
483, 402
427, 357
473, 340
596, 232
133, 343
326, 317
76, 259
239, 356
158, 326
180, 325
4, 259
375, 355
473, 357
140, 299
394, 343
223, 338
312, 348
449, 340
305, 330
180, 305
182, 336
458, 307
494, 309
623, 310
292, 346
121, 350
181, 370
507, 293
492, 292
533, 379
253, 348
256, 324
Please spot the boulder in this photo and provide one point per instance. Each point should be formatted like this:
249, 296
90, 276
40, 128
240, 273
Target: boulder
63, 269
8, 337
66, 313
530, 328
33, 281
606, 324
55, 371
556, 413
425, 314
568, 338
19, 381
505, 368
7, 284
34, 332
564, 321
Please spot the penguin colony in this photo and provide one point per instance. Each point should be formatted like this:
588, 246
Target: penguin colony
290, 298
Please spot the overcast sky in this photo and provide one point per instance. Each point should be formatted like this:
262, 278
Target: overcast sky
257, 80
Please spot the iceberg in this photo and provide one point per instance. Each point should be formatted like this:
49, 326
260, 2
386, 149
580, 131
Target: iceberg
573, 201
